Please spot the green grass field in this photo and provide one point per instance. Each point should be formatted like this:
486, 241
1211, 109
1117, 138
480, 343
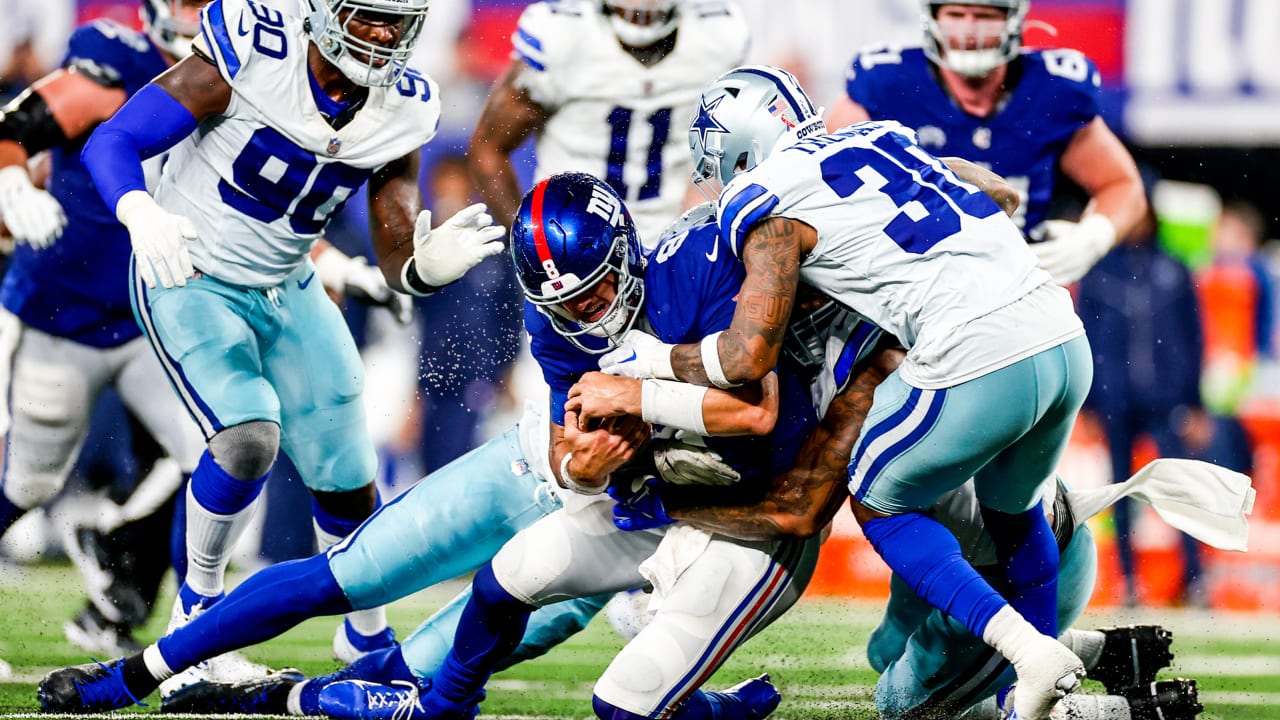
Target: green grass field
815, 654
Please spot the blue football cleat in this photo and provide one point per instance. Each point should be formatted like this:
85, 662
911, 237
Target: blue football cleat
89, 688
360, 700
758, 695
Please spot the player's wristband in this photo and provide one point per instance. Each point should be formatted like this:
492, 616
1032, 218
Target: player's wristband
673, 404
571, 484
413, 283
711, 362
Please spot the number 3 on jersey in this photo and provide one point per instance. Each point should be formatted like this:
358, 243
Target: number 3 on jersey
620, 126
930, 210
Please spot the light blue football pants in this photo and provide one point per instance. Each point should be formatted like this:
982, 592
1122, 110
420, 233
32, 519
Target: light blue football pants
931, 666
1006, 430
281, 354
447, 525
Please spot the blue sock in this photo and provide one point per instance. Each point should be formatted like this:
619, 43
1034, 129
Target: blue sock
178, 534
220, 492
927, 557
491, 626
9, 513
1028, 555
263, 606
340, 526
380, 666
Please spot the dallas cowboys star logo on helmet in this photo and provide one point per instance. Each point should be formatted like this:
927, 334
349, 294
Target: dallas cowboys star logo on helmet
705, 123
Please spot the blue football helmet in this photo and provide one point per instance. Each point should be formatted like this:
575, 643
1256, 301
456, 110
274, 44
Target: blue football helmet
743, 117
571, 231
170, 25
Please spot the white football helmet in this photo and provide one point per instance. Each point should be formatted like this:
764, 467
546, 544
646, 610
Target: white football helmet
981, 60
640, 23
744, 116
326, 21
171, 24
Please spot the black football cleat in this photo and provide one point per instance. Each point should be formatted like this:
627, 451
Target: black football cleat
264, 695
1175, 699
1131, 656
90, 688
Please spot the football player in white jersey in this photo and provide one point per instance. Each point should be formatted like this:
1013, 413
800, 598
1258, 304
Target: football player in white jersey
606, 88
996, 368
274, 121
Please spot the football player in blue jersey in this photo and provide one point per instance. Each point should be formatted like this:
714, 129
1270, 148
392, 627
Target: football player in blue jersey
972, 92
272, 123
68, 329
446, 525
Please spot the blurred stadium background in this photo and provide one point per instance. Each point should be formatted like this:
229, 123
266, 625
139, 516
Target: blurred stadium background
1192, 86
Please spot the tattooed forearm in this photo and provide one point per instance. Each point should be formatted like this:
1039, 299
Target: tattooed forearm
803, 500
748, 350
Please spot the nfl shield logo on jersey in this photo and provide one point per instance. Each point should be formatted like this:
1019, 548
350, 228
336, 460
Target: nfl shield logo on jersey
334, 146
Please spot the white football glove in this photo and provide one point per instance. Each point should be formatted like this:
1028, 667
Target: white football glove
680, 463
32, 215
1071, 248
639, 355
159, 239
446, 253
355, 278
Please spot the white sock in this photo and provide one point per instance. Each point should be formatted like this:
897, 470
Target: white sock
293, 703
211, 538
366, 622
156, 664
1044, 665
1086, 644
1091, 707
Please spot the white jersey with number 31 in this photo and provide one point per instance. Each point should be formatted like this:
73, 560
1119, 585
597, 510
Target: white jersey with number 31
906, 243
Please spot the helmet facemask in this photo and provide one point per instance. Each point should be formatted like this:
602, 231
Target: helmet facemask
618, 318
641, 23
379, 66
172, 24
974, 49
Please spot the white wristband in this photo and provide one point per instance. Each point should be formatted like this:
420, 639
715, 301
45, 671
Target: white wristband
711, 362
673, 404
660, 363
572, 484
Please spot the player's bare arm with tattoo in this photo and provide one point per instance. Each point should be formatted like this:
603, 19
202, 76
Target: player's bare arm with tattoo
772, 252
749, 348
803, 500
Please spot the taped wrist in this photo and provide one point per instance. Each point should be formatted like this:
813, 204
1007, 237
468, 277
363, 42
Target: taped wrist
673, 404
567, 479
711, 362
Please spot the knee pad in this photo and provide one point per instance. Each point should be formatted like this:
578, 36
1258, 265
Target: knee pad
248, 450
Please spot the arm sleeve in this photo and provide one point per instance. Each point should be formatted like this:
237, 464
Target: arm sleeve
150, 123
